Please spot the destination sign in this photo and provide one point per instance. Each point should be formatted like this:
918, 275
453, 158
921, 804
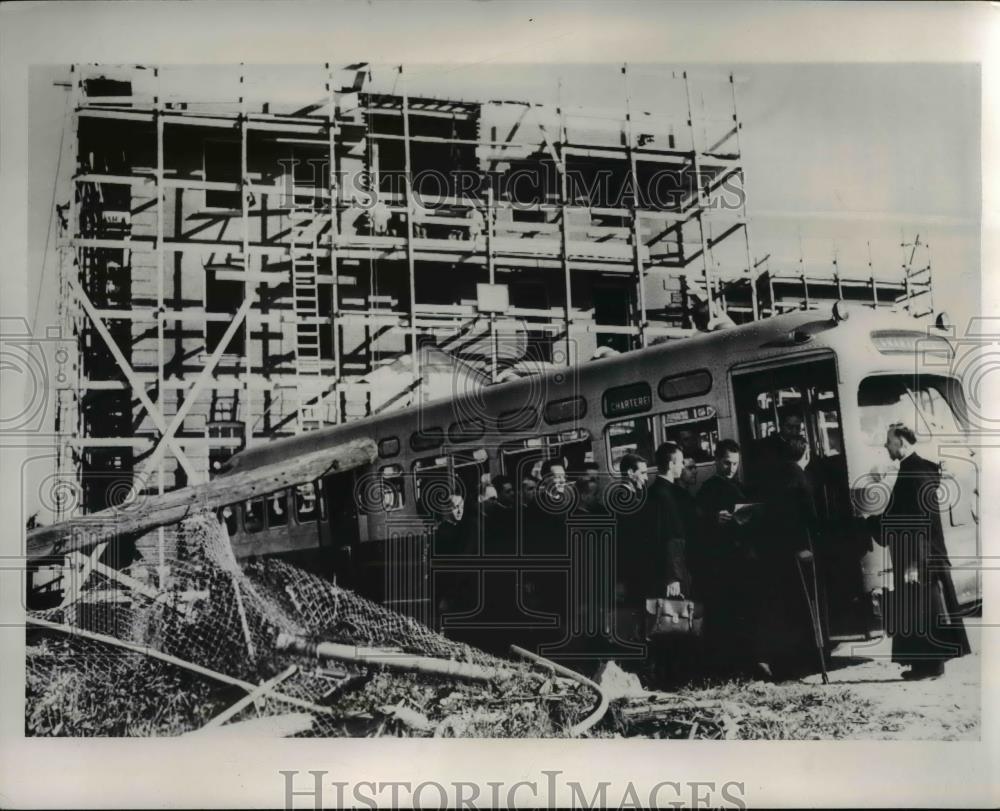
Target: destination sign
689, 414
634, 398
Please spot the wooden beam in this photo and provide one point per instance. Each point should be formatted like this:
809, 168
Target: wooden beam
150, 512
82, 566
126, 368
199, 383
391, 659
129, 582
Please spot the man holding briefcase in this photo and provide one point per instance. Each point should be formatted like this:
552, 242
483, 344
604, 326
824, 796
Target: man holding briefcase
668, 519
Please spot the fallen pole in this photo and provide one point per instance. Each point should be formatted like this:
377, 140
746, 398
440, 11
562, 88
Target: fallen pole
151, 511
602, 704
173, 660
380, 657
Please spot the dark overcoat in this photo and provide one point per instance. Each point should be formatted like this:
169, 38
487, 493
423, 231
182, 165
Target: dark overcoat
922, 617
668, 516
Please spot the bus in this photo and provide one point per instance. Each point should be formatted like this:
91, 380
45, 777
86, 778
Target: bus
848, 374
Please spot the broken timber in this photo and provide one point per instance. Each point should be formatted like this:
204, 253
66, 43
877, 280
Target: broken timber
149, 512
392, 659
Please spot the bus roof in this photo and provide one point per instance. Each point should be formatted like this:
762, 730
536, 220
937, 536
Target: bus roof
742, 343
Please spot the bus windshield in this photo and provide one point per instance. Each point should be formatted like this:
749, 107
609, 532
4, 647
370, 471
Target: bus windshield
929, 404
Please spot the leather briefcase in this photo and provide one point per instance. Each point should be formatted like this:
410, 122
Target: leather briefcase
673, 617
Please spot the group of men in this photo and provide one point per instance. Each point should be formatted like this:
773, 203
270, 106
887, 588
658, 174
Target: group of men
739, 555
745, 546
741, 544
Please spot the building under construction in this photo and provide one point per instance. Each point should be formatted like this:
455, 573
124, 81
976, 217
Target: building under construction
237, 266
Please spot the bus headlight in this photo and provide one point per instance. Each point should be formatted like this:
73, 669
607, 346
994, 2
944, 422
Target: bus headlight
840, 311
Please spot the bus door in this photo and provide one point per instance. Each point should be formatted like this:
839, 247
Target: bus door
808, 390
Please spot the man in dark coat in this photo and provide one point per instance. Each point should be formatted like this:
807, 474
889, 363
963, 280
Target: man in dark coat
668, 520
544, 522
725, 563
625, 499
454, 536
669, 517
922, 614
772, 449
784, 638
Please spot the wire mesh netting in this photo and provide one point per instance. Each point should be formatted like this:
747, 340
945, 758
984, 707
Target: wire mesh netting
143, 660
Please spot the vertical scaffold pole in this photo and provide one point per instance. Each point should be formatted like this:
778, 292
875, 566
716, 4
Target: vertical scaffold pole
707, 275
491, 268
161, 399
751, 266
333, 191
563, 216
637, 244
410, 213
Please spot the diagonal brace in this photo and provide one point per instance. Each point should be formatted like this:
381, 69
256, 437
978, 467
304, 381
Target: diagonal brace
137, 386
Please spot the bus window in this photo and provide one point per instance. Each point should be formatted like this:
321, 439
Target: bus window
695, 429
629, 436
574, 447
306, 503
771, 405
826, 421
930, 408
391, 487
688, 384
388, 447
565, 410
430, 477
277, 509
253, 515
459, 473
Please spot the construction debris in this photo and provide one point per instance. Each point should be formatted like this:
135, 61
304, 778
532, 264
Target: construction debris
393, 659
205, 665
602, 703
666, 715
616, 683
157, 663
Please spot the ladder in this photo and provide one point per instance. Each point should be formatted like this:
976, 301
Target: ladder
305, 226
733, 297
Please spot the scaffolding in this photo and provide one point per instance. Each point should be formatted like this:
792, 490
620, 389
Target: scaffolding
245, 260
808, 289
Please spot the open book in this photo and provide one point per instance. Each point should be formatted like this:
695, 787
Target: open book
746, 512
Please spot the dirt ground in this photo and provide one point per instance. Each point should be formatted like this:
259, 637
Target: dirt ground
947, 708
866, 699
